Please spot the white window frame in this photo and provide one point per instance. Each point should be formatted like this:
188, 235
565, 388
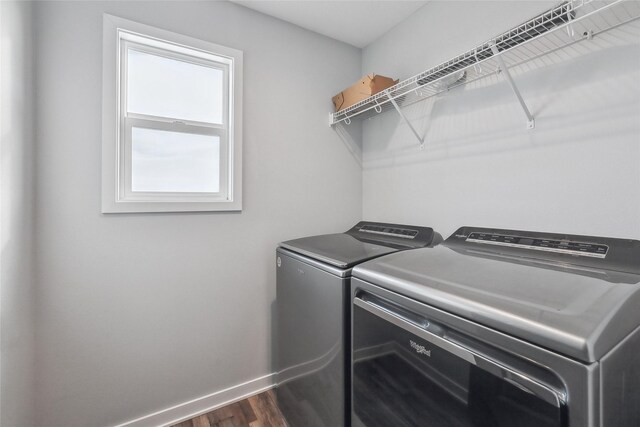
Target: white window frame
117, 197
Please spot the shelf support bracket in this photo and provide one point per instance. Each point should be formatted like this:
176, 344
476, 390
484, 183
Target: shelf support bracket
531, 123
406, 121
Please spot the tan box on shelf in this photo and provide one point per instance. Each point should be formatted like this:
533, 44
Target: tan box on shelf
366, 86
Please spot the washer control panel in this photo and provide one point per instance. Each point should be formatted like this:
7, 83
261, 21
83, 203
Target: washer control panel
403, 233
400, 236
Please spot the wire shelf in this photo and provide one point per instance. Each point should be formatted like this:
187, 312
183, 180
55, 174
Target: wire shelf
567, 24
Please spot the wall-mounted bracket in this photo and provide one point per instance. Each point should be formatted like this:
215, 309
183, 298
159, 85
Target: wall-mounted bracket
531, 123
406, 121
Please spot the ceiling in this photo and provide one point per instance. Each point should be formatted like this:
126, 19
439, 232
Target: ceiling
356, 22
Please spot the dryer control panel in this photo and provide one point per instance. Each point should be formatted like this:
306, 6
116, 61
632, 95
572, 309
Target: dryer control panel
540, 244
606, 253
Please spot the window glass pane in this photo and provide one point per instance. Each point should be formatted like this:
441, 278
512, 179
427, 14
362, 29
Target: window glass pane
163, 161
172, 88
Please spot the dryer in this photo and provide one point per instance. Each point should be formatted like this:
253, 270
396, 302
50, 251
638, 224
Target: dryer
499, 328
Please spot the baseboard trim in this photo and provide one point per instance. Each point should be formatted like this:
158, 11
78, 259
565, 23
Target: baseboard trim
204, 404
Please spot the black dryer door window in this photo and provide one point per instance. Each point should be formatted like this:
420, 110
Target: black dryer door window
408, 371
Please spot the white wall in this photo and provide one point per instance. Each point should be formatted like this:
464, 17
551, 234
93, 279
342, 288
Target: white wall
16, 216
577, 172
138, 312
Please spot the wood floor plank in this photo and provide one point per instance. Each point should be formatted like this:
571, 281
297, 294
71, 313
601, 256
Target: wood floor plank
220, 415
239, 419
230, 415
247, 411
201, 421
268, 413
260, 410
227, 422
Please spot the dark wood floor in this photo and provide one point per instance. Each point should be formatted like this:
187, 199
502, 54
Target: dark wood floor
260, 410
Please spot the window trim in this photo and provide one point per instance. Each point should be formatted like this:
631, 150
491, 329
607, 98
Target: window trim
116, 182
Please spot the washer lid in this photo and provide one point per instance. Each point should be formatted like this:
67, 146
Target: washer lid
340, 249
581, 312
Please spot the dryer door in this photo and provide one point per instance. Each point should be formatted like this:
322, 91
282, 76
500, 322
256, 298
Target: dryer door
410, 371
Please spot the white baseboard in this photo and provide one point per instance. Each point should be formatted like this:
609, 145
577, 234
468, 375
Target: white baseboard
204, 404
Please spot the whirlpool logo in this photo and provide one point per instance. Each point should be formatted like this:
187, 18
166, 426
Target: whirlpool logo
420, 349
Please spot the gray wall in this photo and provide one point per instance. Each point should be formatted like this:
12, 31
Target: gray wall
138, 312
577, 172
16, 216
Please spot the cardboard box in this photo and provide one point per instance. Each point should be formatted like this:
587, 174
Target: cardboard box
367, 86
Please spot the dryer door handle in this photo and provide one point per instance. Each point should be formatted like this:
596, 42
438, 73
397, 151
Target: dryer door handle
401, 321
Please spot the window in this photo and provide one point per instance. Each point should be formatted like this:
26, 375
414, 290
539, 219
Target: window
172, 137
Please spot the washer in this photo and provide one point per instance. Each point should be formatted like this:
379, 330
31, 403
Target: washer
499, 328
313, 313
